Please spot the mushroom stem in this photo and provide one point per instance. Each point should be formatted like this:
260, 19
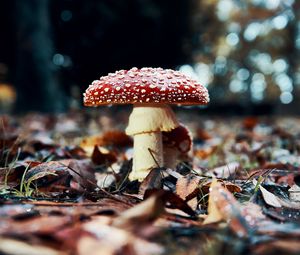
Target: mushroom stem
145, 124
147, 154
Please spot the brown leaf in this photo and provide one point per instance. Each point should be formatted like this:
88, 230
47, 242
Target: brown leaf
150, 209
75, 152
202, 134
233, 188
214, 214
250, 122
103, 206
82, 172
88, 245
190, 186
48, 173
69, 236
253, 214
11, 176
57, 172
109, 138
205, 152
280, 246
116, 138
117, 241
152, 181
38, 225
14, 247
173, 200
187, 185
101, 158
141, 214
288, 179
223, 206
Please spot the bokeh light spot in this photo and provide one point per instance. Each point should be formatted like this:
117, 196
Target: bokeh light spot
232, 39
286, 97
280, 22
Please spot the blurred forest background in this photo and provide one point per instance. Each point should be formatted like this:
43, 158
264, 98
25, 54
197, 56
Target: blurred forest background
245, 52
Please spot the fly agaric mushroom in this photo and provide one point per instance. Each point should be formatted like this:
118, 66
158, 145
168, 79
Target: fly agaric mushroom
150, 90
177, 143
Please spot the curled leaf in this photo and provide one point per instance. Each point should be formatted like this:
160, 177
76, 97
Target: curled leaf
269, 197
223, 206
100, 157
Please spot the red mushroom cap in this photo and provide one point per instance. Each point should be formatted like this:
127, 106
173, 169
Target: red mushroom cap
179, 138
146, 86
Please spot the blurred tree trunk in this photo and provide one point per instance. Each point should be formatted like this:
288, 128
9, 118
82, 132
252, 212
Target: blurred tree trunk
36, 82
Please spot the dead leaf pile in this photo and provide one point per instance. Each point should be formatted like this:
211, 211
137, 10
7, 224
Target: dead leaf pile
64, 188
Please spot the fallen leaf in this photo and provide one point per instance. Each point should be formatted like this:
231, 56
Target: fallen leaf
187, 185
172, 200
226, 170
280, 246
190, 186
223, 206
110, 138
14, 247
48, 173
250, 122
13, 210
69, 237
269, 197
279, 230
286, 180
116, 138
214, 214
152, 181
253, 214
202, 134
99, 157
119, 241
141, 214
58, 172
105, 180
204, 153
91, 246
38, 225
294, 193
283, 214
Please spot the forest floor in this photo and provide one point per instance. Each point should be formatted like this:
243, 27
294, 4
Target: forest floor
64, 188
